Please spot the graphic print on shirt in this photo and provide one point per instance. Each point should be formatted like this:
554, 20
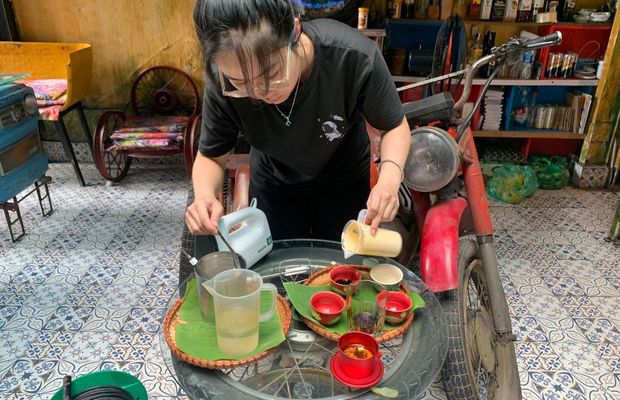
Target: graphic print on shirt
330, 129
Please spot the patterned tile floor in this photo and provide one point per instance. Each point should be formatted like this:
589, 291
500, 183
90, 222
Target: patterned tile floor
85, 290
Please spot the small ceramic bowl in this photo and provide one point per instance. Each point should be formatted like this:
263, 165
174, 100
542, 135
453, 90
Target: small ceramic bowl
586, 11
388, 275
398, 306
581, 18
600, 16
344, 279
326, 307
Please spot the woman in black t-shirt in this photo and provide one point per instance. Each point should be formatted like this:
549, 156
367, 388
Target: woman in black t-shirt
301, 95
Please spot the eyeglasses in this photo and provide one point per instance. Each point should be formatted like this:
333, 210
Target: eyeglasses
231, 90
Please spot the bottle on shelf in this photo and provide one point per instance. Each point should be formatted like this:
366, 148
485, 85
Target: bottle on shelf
377, 13
459, 7
408, 9
569, 10
524, 11
476, 50
395, 8
362, 18
474, 9
532, 106
560, 9
524, 67
498, 10
420, 8
489, 43
471, 37
445, 8
510, 15
552, 6
486, 6
521, 113
537, 8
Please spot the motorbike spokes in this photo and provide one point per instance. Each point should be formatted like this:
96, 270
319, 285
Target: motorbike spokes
479, 332
480, 364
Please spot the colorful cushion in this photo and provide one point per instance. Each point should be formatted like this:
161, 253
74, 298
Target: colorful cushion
154, 124
51, 95
146, 144
50, 113
47, 89
150, 132
52, 102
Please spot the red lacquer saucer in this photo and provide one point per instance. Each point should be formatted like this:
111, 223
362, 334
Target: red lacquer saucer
365, 382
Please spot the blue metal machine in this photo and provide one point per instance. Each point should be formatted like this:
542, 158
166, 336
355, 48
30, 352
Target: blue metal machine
22, 161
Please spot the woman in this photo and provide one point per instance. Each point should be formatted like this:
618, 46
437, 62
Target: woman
300, 94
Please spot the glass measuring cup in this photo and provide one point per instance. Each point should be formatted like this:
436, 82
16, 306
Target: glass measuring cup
237, 300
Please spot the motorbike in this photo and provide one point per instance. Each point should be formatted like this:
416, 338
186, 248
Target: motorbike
446, 185
444, 179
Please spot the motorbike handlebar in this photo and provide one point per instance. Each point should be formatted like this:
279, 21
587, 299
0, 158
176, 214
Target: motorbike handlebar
500, 52
540, 42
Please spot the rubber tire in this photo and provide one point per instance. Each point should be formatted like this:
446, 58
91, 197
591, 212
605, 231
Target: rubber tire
458, 377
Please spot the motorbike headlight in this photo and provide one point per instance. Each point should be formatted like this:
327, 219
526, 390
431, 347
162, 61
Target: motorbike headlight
30, 104
433, 159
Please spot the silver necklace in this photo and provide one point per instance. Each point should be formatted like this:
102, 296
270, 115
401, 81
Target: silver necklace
288, 117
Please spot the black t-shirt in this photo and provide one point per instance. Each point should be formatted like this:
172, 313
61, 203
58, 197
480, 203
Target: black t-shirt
327, 142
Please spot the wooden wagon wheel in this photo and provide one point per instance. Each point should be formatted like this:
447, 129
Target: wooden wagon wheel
111, 163
164, 90
190, 142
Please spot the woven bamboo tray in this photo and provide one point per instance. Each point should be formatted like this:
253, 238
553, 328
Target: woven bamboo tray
172, 320
322, 278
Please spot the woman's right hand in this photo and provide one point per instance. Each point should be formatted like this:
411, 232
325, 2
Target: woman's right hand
203, 215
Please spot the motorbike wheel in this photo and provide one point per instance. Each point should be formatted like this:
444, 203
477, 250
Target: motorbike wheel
478, 365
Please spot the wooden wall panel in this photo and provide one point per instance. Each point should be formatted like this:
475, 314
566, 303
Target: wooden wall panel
126, 36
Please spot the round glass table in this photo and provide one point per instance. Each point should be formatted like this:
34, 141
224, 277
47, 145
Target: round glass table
299, 367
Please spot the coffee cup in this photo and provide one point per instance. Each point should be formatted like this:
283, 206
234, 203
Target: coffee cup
387, 275
344, 279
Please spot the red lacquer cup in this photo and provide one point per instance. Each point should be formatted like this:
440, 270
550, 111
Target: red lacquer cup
358, 353
344, 279
326, 307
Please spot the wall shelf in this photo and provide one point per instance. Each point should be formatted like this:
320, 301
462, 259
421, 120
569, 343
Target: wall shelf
513, 82
471, 21
515, 23
529, 134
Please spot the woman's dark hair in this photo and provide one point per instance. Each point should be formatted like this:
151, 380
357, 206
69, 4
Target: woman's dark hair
250, 28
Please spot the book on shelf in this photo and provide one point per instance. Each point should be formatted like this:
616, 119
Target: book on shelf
498, 10
575, 101
474, 9
493, 110
485, 9
510, 14
585, 111
564, 118
580, 103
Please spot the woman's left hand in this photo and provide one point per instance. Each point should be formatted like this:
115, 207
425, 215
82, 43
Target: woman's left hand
382, 204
